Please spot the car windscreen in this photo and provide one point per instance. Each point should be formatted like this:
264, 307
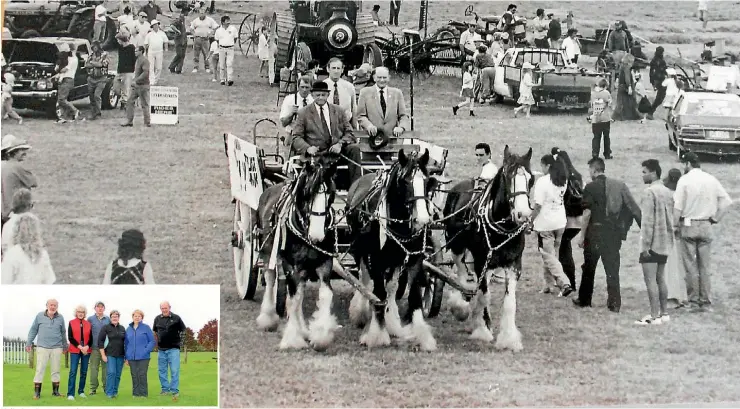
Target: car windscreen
535, 58
712, 107
29, 51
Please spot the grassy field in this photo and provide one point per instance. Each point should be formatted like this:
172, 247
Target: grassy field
198, 386
97, 179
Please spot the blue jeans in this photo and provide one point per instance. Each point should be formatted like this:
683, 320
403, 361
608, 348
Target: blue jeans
82, 360
113, 377
169, 357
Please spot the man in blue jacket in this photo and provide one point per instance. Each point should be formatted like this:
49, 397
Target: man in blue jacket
51, 343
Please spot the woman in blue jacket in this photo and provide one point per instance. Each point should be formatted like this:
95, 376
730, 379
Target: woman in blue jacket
139, 344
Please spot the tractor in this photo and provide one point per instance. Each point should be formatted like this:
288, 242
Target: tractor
54, 18
321, 30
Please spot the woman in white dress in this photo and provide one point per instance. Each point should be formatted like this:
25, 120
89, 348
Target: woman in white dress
26, 261
674, 272
263, 50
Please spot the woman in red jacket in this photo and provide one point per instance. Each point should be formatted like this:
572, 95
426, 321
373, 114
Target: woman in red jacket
79, 333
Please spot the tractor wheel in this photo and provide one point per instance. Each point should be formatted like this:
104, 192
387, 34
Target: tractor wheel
282, 28
373, 55
449, 33
30, 34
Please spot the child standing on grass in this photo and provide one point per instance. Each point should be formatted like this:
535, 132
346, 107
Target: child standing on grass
213, 59
263, 50
643, 102
467, 89
526, 98
7, 88
130, 267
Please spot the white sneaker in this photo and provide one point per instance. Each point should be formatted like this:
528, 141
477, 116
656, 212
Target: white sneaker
195, 70
664, 318
213, 80
648, 320
70, 397
82, 395
208, 71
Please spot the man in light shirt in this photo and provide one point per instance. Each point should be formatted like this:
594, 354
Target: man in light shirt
469, 41
100, 22
226, 36
341, 91
483, 157
156, 44
700, 202
382, 107
540, 26
202, 29
66, 78
126, 22
293, 102
140, 30
571, 46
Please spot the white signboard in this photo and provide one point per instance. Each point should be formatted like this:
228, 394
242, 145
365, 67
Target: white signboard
163, 104
720, 77
246, 180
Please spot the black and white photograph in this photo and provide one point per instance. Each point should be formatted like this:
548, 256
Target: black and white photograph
405, 203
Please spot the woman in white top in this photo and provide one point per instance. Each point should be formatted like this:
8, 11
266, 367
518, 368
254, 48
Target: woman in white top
130, 267
26, 261
550, 221
671, 88
263, 50
22, 203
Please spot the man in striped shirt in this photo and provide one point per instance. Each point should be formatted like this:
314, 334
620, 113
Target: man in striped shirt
700, 202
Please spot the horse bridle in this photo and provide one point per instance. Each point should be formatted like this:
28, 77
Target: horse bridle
322, 189
511, 193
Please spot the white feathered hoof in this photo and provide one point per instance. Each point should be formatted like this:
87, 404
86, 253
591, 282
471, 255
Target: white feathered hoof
458, 306
268, 321
359, 311
322, 332
511, 340
375, 336
422, 332
293, 338
482, 334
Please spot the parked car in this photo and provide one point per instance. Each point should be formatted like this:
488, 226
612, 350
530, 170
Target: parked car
705, 122
562, 87
33, 60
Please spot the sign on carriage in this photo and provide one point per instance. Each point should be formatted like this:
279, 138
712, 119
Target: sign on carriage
246, 180
163, 103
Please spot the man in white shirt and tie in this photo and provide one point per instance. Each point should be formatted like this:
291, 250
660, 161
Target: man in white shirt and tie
341, 91
226, 36
321, 127
292, 103
156, 44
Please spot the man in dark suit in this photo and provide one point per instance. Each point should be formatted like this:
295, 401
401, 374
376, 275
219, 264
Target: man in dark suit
609, 210
322, 126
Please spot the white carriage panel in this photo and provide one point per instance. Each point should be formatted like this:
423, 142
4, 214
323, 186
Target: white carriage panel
438, 153
244, 170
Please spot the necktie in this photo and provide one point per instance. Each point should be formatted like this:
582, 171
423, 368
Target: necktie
382, 102
323, 121
336, 94
305, 102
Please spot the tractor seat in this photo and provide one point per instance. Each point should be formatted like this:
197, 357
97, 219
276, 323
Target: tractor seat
490, 18
273, 167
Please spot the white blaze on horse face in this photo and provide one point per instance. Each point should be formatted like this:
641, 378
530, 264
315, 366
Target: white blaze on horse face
521, 201
421, 213
316, 224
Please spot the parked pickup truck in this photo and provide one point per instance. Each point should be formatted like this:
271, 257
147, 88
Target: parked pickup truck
32, 60
562, 87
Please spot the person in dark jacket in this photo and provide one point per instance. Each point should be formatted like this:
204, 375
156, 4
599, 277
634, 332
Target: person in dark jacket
181, 42
608, 211
112, 352
554, 31
573, 201
168, 328
139, 344
79, 333
658, 69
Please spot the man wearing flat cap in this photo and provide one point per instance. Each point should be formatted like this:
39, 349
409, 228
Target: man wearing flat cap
699, 202
14, 175
321, 127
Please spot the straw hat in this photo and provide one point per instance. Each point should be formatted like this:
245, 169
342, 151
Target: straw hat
12, 143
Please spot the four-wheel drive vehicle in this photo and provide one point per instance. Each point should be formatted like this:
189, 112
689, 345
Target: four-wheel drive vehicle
562, 87
33, 61
50, 18
705, 122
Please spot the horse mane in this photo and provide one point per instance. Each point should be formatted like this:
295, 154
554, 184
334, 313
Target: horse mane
308, 183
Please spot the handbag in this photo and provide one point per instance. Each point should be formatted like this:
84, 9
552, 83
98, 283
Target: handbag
644, 105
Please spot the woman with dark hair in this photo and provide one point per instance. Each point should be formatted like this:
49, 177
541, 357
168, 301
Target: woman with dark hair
550, 221
130, 267
674, 272
658, 74
573, 202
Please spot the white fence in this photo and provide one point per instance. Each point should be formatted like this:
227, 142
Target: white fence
14, 352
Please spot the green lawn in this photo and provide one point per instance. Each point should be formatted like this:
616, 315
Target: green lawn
198, 386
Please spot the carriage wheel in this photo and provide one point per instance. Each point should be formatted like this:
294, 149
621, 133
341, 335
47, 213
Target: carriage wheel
246, 258
373, 55
432, 301
281, 293
249, 34
173, 8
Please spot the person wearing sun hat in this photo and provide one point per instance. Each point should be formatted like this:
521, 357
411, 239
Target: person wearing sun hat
156, 43
14, 174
